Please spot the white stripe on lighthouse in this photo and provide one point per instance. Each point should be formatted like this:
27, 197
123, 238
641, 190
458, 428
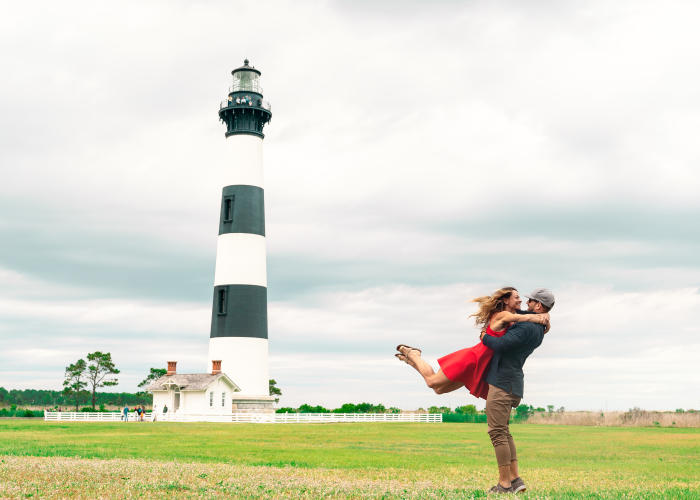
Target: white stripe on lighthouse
247, 160
240, 260
244, 360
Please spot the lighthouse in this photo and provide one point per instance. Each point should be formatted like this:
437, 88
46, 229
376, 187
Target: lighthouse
238, 334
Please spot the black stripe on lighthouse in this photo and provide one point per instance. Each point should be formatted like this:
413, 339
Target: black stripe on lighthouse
239, 311
242, 210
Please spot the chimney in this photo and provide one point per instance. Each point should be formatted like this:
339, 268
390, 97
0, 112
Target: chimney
171, 367
215, 366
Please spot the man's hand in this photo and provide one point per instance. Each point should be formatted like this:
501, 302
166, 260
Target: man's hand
546, 327
483, 332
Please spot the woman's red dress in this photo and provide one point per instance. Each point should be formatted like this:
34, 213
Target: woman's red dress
470, 365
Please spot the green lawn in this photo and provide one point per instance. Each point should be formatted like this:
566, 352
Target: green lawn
360, 460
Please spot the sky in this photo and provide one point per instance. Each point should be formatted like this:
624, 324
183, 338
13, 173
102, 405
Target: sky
420, 154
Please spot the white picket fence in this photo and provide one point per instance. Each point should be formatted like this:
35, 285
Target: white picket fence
80, 416
253, 418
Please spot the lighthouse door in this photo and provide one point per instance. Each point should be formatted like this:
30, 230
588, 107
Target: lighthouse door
176, 403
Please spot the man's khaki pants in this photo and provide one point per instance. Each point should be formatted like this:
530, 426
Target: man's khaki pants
498, 406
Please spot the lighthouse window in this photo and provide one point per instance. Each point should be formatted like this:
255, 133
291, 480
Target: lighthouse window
221, 301
228, 209
211, 399
223, 399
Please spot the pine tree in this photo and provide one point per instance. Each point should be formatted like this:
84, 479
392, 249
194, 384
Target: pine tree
99, 366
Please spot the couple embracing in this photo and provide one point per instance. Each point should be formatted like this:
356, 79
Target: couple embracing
493, 369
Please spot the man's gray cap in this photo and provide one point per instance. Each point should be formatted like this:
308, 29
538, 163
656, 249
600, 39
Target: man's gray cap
543, 295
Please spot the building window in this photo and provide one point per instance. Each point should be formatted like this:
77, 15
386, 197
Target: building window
227, 209
211, 399
221, 301
223, 399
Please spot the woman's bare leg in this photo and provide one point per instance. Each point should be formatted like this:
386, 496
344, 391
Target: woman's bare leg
438, 382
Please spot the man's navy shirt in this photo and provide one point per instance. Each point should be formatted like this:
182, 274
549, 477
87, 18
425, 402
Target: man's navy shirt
509, 354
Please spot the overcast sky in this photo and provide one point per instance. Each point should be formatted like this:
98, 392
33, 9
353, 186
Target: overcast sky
420, 154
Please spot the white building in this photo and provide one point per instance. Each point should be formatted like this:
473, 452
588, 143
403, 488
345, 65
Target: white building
193, 392
203, 393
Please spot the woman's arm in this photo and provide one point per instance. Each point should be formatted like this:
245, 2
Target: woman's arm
504, 317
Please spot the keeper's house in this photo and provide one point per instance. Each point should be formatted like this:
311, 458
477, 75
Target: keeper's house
193, 392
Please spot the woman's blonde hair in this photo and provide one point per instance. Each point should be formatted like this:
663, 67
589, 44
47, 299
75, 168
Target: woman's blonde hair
491, 304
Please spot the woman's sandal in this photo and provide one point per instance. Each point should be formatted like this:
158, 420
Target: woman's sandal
398, 348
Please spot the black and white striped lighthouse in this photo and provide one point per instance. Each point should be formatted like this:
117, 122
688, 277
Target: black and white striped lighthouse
239, 317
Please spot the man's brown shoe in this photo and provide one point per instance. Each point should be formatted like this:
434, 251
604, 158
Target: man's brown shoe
518, 485
498, 489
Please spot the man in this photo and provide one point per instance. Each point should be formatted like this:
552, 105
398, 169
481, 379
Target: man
505, 379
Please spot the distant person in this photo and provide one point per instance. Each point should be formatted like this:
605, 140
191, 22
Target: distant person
138, 413
467, 367
125, 412
165, 409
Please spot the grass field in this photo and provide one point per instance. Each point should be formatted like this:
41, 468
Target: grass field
341, 460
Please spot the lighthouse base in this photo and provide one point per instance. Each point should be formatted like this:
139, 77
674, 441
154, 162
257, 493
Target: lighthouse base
252, 404
244, 360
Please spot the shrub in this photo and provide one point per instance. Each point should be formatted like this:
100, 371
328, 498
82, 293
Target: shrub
442, 409
635, 414
346, 408
466, 410
523, 412
361, 408
285, 410
461, 417
306, 408
19, 412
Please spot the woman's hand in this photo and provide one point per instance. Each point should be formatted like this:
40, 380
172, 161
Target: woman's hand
542, 319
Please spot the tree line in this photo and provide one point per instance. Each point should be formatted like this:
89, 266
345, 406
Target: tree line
465, 413
377, 408
49, 398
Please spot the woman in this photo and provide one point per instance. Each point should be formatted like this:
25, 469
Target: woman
467, 367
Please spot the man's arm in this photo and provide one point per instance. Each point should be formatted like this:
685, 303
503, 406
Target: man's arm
516, 337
